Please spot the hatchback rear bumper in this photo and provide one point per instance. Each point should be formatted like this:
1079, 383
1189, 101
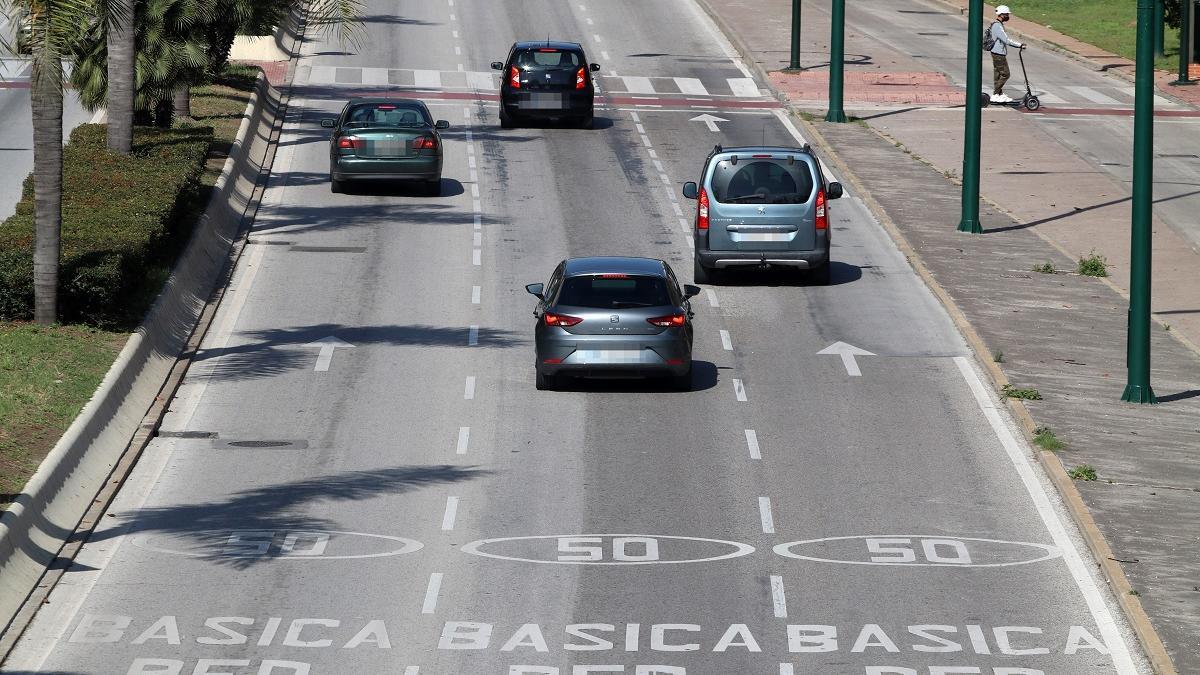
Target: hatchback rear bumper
561, 353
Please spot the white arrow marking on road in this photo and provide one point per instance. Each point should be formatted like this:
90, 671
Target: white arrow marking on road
325, 357
710, 121
847, 352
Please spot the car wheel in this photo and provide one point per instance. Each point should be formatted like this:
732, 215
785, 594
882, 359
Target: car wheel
433, 188
506, 120
545, 382
337, 186
587, 121
682, 382
822, 276
700, 273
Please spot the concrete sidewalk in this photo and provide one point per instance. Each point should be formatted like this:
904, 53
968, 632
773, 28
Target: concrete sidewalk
1060, 333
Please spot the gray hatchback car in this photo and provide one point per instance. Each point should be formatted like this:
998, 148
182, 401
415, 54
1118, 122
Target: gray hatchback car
613, 317
762, 207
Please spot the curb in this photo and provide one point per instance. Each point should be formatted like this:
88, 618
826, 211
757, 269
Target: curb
52, 518
1130, 605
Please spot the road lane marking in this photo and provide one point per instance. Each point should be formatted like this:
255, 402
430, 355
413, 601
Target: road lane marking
778, 597
464, 439
1088, 588
1093, 95
685, 225
478, 221
412, 670
784, 669
739, 390
428, 79
690, 86
477, 257
604, 55
450, 514
752, 444
743, 87
635, 117
431, 593
469, 391
726, 341
473, 336
712, 297
475, 293
764, 513
478, 239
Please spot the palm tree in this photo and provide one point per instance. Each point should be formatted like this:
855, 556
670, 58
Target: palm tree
121, 75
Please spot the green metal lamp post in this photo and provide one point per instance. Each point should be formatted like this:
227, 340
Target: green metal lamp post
795, 64
1137, 387
837, 62
1185, 43
971, 140
1160, 28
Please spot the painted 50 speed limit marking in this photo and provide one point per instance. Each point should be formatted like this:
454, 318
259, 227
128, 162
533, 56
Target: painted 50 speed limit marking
607, 549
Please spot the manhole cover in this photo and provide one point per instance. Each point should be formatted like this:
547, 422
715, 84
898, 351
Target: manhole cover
257, 444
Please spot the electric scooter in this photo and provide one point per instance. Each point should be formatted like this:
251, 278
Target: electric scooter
1029, 101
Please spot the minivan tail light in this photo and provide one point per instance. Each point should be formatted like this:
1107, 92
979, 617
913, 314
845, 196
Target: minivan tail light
702, 211
822, 216
514, 77
581, 78
425, 143
563, 320
350, 143
669, 321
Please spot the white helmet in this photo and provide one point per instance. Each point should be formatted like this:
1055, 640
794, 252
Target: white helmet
1002, 9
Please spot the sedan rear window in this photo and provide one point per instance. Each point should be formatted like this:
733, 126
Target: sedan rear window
387, 114
548, 58
614, 291
762, 181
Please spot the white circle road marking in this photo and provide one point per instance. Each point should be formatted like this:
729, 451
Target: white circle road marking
1048, 552
407, 546
739, 549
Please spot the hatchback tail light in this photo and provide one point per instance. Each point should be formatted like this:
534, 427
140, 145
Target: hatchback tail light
822, 215
702, 211
425, 143
514, 77
350, 143
668, 321
581, 78
563, 320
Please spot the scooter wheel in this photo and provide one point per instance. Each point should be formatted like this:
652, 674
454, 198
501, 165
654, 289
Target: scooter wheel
1032, 103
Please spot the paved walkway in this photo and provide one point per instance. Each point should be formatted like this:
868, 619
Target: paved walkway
1062, 334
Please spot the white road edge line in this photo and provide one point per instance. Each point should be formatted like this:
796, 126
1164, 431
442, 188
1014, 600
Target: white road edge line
464, 440
726, 341
764, 513
450, 514
752, 444
778, 597
431, 593
1058, 532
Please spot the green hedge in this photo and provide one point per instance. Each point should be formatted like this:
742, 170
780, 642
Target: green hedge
121, 225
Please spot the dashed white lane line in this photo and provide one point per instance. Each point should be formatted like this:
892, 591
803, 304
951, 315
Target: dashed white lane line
764, 513
726, 341
473, 336
431, 593
752, 444
739, 390
604, 55
475, 293
712, 297
469, 389
778, 597
477, 257
478, 239
412, 670
685, 225
451, 513
786, 669
464, 440
1118, 650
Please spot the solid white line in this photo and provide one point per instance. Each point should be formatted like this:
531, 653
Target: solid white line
475, 293
431, 593
712, 297
474, 175
778, 597
471, 162
473, 336
641, 129
477, 205
675, 205
653, 155
1078, 569
478, 221
791, 129
464, 440
685, 225
477, 257
739, 390
475, 190
469, 391
479, 239
726, 341
451, 513
752, 443
764, 513
658, 165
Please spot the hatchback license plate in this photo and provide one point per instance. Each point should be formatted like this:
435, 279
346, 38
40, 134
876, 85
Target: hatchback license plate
606, 356
543, 101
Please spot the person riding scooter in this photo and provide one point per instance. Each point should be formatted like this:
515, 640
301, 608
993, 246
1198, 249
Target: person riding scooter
1000, 45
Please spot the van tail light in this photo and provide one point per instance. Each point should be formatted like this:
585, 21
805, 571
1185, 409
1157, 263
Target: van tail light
822, 215
514, 77
563, 320
668, 321
350, 143
702, 211
581, 78
425, 143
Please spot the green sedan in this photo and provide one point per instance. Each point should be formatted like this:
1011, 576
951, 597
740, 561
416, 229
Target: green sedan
387, 140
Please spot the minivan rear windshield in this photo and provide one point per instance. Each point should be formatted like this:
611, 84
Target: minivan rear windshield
547, 58
614, 291
762, 181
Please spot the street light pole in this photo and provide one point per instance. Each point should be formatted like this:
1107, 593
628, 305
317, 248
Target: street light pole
1137, 387
1160, 28
971, 139
795, 64
1185, 43
837, 62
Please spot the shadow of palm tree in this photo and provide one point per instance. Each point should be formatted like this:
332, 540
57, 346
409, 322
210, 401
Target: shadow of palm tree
203, 529
301, 219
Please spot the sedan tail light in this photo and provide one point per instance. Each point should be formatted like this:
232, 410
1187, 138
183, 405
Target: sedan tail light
702, 211
563, 320
581, 78
350, 143
822, 215
669, 321
514, 77
425, 143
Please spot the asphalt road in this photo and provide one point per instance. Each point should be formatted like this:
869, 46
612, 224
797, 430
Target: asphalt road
410, 504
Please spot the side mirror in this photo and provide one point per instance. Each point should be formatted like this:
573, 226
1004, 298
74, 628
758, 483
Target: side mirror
595, 67
834, 191
328, 123
691, 190
690, 291
536, 289
497, 65
443, 124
